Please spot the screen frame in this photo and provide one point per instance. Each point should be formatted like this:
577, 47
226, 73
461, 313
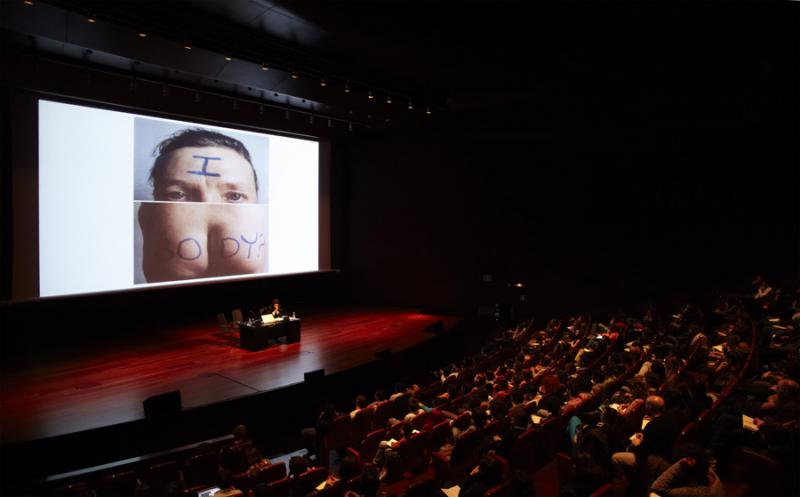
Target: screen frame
23, 191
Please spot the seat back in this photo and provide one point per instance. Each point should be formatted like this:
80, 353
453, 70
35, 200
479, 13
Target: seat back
383, 412
361, 425
370, 444
415, 453
440, 435
201, 469
339, 433
280, 488
305, 482
118, 484
233, 457
269, 474
237, 315
465, 448
522, 454
158, 476
423, 488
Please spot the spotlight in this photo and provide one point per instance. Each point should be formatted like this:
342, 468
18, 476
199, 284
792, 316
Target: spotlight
410, 106
28, 2
142, 34
91, 18
228, 57
187, 45
295, 75
347, 87
428, 110
322, 82
264, 66
369, 95
388, 99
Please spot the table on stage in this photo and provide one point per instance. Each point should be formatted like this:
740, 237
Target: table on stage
256, 336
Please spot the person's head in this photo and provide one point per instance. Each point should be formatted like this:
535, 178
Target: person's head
276, 304
695, 462
361, 402
199, 165
380, 395
654, 405
297, 465
788, 390
240, 432
518, 416
253, 456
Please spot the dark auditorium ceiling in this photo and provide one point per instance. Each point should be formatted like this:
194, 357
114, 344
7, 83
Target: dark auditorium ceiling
512, 65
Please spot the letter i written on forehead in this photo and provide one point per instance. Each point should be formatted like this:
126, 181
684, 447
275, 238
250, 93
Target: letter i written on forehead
204, 171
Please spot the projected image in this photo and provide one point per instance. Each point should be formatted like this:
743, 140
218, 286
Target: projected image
169, 202
208, 213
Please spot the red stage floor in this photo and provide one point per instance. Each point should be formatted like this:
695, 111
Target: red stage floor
83, 392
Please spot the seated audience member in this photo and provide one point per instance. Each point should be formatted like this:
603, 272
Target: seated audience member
255, 461
297, 466
650, 451
689, 477
552, 398
226, 488
361, 403
379, 397
520, 422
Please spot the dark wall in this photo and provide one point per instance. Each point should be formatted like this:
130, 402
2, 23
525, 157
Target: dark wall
600, 216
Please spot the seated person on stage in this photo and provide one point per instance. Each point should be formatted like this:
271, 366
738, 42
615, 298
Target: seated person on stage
277, 309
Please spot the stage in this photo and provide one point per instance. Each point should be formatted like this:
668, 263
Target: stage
106, 386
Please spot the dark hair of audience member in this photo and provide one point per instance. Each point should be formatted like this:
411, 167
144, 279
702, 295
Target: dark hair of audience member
380, 395
361, 402
297, 466
253, 456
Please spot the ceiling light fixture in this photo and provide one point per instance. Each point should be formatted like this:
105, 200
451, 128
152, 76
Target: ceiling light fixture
428, 110
388, 99
91, 18
323, 83
295, 75
347, 87
142, 34
187, 45
410, 105
369, 95
228, 57
264, 66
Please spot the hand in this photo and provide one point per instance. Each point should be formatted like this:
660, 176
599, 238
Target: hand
637, 438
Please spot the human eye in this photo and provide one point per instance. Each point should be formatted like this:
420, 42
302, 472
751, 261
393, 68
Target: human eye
235, 197
176, 196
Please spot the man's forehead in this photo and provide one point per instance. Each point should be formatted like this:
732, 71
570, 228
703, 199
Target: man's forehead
207, 159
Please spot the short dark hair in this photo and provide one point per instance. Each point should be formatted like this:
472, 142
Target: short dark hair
195, 137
